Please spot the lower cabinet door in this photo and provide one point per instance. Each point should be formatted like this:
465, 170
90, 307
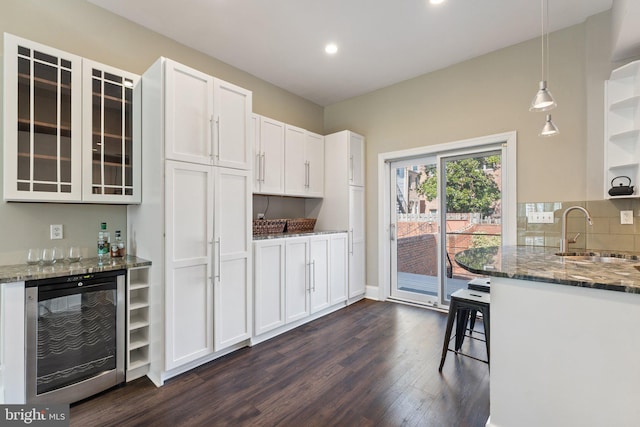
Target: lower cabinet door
319, 272
232, 261
268, 273
338, 270
297, 278
188, 281
356, 270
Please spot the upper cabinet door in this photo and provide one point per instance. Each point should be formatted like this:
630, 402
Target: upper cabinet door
232, 107
295, 165
189, 117
111, 147
314, 153
272, 156
42, 122
356, 159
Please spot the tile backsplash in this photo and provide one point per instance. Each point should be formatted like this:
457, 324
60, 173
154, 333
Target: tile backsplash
606, 233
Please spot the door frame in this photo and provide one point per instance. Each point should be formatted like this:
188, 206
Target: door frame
508, 140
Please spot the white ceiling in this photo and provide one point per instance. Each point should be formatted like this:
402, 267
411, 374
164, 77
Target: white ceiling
381, 42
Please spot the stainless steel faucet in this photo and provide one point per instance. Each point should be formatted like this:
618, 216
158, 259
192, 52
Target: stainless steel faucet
564, 242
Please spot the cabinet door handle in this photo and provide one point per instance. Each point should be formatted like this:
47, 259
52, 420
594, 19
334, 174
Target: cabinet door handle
314, 275
259, 165
211, 148
306, 174
218, 137
264, 165
351, 168
351, 250
218, 270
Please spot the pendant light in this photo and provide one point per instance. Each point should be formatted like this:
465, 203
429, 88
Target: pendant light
549, 128
543, 100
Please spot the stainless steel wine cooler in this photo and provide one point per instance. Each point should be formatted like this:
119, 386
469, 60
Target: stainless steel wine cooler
75, 336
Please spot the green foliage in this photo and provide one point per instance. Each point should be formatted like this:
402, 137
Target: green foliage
469, 187
485, 241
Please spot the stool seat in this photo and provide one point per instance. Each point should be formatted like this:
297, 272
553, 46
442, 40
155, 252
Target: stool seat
482, 284
463, 302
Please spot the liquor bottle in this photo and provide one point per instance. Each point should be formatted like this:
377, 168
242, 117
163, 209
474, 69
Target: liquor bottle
117, 247
103, 242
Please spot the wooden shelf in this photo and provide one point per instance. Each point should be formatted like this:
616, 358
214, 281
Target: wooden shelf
631, 102
138, 324
45, 157
44, 127
26, 79
112, 136
628, 135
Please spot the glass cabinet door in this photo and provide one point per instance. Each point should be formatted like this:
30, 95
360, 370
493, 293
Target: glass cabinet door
42, 122
111, 154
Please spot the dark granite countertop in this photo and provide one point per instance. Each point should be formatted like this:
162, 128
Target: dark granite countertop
541, 264
295, 234
22, 272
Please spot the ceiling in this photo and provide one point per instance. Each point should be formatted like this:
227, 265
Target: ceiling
380, 42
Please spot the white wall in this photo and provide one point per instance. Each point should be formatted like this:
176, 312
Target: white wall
489, 95
84, 29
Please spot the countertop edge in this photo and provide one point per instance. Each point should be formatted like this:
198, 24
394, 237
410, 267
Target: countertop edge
566, 281
286, 235
24, 272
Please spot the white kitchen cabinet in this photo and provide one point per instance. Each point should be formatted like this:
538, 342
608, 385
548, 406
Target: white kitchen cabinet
188, 270
233, 309
622, 128
304, 163
269, 156
194, 223
314, 153
356, 159
232, 115
338, 267
357, 248
296, 278
188, 109
319, 272
111, 147
269, 279
76, 136
295, 162
42, 123
208, 119
343, 205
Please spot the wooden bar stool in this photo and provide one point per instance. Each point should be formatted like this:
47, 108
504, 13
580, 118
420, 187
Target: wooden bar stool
463, 301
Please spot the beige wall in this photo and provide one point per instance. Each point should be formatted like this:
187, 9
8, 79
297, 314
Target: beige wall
79, 27
489, 95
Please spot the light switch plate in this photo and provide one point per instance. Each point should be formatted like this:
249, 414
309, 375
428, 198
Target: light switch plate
56, 231
626, 217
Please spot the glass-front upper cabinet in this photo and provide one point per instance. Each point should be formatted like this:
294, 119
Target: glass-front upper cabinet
42, 127
111, 151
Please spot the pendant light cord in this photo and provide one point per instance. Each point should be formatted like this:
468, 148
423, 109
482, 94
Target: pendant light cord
547, 33
542, 40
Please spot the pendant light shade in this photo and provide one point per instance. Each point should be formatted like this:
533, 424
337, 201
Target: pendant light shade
543, 100
549, 128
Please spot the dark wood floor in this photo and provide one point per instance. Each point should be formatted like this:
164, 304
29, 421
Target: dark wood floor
370, 364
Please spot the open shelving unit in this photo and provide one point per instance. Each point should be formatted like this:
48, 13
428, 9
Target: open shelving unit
137, 322
622, 128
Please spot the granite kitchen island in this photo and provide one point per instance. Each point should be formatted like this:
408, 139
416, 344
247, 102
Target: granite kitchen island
565, 344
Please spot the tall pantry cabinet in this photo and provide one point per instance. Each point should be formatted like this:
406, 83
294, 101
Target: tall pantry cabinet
195, 218
343, 205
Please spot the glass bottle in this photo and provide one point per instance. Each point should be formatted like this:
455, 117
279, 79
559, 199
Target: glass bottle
103, 242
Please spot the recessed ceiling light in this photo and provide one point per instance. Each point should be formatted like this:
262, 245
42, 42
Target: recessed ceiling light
436, 1
331, 48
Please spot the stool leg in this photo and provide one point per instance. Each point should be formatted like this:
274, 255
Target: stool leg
472, 321
487, 330
461, 325
447, 335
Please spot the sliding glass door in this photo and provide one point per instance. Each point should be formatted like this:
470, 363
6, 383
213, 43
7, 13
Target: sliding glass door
441, 205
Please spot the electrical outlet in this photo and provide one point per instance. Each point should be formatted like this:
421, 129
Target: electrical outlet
56, 231
626, 217
540, 217
260, 216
